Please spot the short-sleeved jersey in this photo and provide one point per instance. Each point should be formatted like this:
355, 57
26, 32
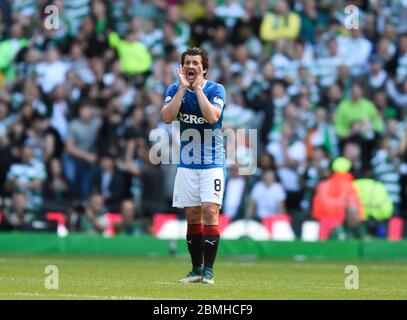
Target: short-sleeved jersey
202, 147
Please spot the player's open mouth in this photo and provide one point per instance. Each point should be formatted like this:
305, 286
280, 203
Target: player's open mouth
191, 75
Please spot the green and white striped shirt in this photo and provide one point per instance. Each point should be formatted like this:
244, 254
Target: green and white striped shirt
386, 172
74, 12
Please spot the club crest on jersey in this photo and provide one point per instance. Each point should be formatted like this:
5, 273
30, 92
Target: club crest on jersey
191, 118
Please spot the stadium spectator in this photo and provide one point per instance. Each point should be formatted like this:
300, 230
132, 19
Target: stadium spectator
386, 109
357, 120
147, 178
281, 23
52, 71
377, 75
242, 64
6, 119
273, 119
357, 115
9, 49
316, 171
337, 199
79, 64
401, 70
322, 135
94, 40
236, 187
182, 29
402, 152
398, 96
17, 216
92, 219
109, 182
313, 21
377, 206
6, 158
56, 187
59, 111
132, 224
356, 49
267, 197
80, 150
326, 64
237, 115
203, 28
289, 153
191, 10
27, 176
385, 170
246, 29
75, 11
352, 151
134, 56
230, 11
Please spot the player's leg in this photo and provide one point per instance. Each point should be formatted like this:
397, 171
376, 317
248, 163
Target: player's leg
212, 187
210, 239
186, 195
194, 242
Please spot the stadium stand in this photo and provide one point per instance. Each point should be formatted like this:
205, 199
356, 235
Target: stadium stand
77, 104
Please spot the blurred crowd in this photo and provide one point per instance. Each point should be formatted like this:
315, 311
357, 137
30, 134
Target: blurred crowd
77, 103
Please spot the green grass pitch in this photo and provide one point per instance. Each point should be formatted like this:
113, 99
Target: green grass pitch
112, 277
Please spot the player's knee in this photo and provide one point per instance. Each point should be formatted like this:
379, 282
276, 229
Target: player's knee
193, 215
211, 214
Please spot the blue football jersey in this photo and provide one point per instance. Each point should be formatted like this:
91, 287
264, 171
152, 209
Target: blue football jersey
202, 147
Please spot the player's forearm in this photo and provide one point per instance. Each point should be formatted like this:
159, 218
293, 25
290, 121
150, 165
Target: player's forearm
170, 111
210, 112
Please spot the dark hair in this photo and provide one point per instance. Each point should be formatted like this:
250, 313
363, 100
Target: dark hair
357, 82
195, 51
86, 102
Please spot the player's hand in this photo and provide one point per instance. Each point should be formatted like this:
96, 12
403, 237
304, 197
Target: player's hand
182, 77
199, 81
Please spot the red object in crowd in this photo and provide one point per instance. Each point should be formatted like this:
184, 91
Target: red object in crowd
59, 217
326, 225
224, 220
159, 219
268, 222
395, 231
112, 218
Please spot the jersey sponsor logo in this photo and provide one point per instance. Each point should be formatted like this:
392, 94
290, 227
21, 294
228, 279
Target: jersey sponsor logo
191, 118
218, 101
